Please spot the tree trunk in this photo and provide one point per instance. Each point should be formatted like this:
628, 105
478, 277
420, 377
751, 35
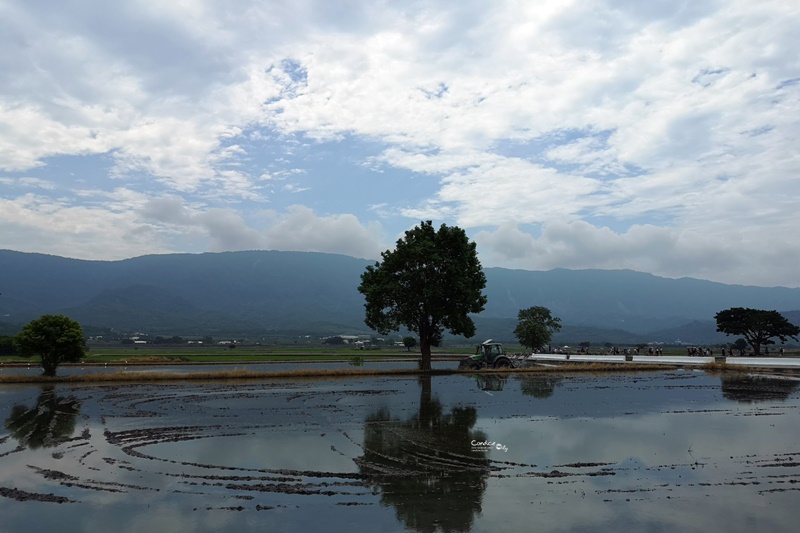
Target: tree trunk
424, 345
49, 369
425, 353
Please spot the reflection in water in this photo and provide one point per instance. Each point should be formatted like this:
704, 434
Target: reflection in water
490, 382
426, 466
660, 451
747, 388
539, 386
49, 423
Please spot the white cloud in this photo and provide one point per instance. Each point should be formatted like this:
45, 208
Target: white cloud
300, 229
296, 229
673, 122
33, 223
666, 252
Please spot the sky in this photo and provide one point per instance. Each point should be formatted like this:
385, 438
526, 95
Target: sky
658, 136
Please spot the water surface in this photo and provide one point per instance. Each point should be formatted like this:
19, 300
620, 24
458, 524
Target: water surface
676, 450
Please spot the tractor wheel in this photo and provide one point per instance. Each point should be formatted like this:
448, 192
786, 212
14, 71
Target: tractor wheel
502, 363
469, 364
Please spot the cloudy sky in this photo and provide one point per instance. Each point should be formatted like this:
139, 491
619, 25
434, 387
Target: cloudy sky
660, 136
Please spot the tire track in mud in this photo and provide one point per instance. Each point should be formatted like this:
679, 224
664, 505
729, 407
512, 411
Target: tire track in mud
130, 447
119, 449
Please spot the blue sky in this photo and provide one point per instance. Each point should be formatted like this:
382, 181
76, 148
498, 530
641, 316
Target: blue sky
659, 136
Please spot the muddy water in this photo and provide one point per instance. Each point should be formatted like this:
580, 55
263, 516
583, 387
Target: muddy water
76, 370
646, 452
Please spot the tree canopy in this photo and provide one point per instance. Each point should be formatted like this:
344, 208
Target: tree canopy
429, 283
7, 345
758, 327
536, 327
409, 342
54, 338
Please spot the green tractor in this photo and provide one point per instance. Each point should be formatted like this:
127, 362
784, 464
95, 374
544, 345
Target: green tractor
487, 355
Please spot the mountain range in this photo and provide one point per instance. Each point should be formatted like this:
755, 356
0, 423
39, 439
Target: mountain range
263, 293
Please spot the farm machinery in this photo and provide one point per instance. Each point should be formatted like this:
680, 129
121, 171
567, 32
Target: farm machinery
488, 354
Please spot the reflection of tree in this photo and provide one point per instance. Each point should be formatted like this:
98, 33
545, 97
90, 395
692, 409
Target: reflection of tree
48, 423
746, 388
539, 386
425, 466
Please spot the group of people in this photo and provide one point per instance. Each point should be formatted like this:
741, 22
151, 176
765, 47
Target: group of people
729, 352
708, 352
693, 351
610, 351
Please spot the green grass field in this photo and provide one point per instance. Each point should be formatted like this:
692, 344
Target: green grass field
212, 354
156, 354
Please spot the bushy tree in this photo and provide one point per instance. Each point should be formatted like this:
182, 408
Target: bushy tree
758, 327
536, 327
55, 339
429, 283
409, 342
740, 344
7, 345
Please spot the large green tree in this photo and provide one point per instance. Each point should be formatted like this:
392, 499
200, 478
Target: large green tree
429, 283
758, 327
536, 327
55, 339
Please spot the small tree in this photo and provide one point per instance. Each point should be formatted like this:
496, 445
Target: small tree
431, 282
55, 339
409, 342
740, 344
536, 327
758, 327
7, 345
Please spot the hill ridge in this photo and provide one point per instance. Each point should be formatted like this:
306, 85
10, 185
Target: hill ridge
262, 290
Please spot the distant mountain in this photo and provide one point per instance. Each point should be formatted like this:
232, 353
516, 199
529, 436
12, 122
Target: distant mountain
241, 292
624, 299
268, 292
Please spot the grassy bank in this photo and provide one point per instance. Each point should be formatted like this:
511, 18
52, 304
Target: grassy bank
154, 359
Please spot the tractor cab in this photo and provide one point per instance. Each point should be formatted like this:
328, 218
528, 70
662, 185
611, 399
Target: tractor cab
490, 350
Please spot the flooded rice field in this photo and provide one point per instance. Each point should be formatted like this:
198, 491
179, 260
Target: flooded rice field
33, 369
674, 450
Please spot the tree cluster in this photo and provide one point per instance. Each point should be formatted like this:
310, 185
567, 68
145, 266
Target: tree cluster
7, 345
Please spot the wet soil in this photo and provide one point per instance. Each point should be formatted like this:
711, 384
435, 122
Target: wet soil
193, 444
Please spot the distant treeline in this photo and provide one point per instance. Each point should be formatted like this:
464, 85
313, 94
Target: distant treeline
175, 339
7, 345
